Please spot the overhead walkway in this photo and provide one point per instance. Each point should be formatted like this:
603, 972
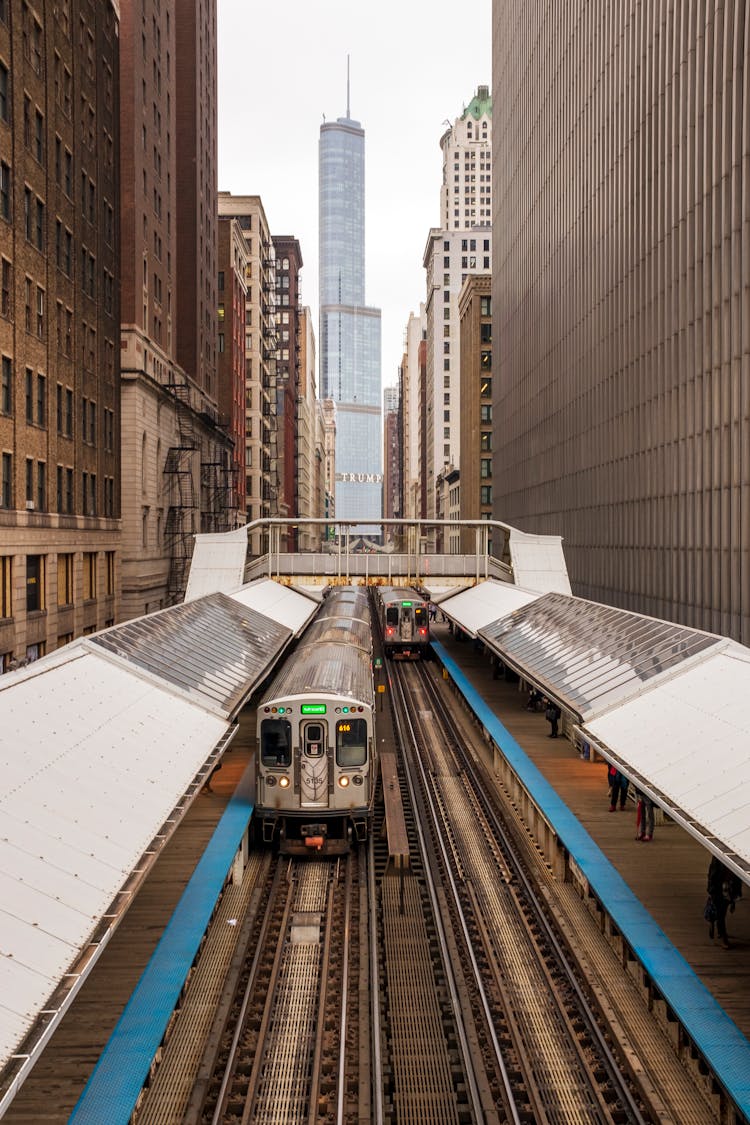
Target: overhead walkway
105, 744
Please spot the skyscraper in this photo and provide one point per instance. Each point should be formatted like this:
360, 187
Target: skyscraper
461, 246
620, 300
349, 330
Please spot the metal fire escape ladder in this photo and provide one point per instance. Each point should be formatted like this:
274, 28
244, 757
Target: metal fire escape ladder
178, 469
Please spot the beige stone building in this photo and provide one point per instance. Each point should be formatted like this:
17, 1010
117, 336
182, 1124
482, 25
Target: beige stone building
261, 342
621, 289
309, 439
328, 409
59, 319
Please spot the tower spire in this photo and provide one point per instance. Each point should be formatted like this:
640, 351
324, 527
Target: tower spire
348, 115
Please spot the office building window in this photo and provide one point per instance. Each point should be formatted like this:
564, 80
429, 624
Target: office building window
41, 400
6, 481
35, 580
110, 559
4, 190
6, 285
89, 576
485, 441
485, 494
485, 468
6, 385
6, 586
41, 486
29, 387
65, 579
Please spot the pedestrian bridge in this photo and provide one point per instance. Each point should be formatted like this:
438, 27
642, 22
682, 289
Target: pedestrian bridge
221, 561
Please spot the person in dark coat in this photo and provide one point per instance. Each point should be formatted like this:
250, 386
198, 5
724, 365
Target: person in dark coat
644, 817
552, 715
724, 888
618, 789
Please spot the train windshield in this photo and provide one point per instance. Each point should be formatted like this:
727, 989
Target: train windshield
276, 742
391, 615
420, 615
351, 742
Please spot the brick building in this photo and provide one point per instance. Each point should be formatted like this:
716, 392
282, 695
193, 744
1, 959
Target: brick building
59, 324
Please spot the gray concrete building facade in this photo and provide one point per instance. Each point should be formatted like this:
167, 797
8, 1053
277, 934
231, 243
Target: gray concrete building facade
621, 298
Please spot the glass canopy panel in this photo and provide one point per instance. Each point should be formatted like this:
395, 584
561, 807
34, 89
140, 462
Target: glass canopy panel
213, 647
589, 656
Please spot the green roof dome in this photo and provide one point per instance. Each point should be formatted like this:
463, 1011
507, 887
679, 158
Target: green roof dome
480, 104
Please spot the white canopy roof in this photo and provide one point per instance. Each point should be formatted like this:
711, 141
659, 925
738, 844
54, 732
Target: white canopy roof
103, 745
686, 741
665, 703
218, 563
93, 759
278, 602
473, 609
538, 562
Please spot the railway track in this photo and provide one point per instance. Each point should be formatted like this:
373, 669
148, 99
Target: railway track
440, 995
289, 1051
541, 1054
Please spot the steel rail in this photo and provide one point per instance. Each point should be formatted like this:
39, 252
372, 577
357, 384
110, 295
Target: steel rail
220, 1110
400, 713
471, 771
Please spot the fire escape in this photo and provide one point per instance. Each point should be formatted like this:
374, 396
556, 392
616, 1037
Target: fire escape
269, 384
178, 469
218, 478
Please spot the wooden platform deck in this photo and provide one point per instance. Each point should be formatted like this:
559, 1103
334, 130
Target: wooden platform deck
668, 874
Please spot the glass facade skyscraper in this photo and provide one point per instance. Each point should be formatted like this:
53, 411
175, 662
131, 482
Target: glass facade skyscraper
349, 330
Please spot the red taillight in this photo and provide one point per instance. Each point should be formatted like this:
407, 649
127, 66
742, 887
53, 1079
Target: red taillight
389, 631
423, 632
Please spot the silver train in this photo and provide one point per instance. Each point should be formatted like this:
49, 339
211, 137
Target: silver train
404, 619
316, 763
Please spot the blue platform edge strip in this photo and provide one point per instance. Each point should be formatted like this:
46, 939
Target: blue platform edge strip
114, 1086
724, 1046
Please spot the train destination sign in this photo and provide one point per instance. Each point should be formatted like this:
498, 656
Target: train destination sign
313, 708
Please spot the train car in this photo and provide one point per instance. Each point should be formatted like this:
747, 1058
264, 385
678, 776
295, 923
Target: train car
404, 619
316, 763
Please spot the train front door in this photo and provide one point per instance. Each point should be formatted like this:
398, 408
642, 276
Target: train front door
314, 767
407, 624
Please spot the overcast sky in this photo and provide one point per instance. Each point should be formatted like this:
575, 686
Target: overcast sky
414, 65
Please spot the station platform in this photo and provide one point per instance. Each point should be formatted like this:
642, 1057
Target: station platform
668, 874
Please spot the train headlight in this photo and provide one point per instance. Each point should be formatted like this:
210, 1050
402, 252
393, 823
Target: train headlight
343, 781
284, 782
358, 779
270, 781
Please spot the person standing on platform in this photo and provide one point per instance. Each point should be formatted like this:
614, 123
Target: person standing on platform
552, 715
644, 817
724, 888
618, 789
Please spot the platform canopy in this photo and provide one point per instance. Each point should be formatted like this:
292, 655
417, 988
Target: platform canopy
686, 742
588, 656
484, 603
538, 562
665, 703
217, 564
291, 608
103, 746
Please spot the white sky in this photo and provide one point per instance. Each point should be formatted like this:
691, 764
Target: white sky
414, 64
